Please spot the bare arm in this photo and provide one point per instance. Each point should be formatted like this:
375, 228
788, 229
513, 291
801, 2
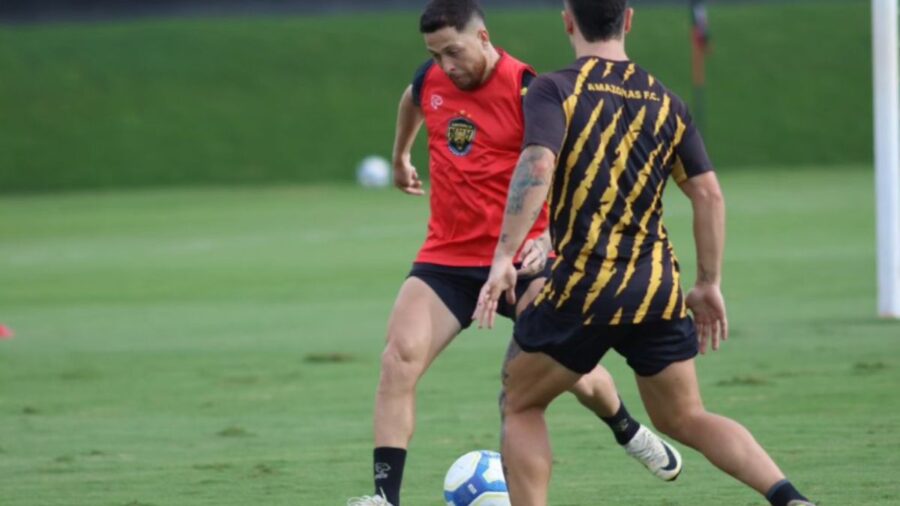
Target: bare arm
527, 194
705, 299
709, 225
409, 121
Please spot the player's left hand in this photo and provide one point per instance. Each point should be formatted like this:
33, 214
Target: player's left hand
708, 307
502, 279
534, 256
406, 177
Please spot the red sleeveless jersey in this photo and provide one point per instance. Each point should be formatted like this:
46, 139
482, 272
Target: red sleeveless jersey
474, 142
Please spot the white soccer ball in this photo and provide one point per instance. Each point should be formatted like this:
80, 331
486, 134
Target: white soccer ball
373, 172
476, 479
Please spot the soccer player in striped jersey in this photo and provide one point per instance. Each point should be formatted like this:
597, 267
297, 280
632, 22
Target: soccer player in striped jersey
602, 138
469, 97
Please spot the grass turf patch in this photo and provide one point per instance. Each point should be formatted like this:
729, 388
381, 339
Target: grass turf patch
221, 346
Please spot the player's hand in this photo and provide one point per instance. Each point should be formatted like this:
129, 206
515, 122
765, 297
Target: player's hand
406, 179
708, 306
502, 279
534, 256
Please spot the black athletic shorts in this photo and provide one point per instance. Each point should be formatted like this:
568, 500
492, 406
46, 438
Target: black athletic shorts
458, 288
647, 347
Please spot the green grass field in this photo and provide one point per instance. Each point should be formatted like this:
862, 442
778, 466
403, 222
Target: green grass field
302, 99
221, 347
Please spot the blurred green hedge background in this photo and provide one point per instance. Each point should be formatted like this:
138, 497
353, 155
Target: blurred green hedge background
304, 98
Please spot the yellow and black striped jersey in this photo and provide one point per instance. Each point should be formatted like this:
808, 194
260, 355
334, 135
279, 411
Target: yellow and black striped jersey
619, 135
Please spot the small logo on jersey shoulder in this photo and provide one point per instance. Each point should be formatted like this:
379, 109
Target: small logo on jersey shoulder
436, 101
461, 135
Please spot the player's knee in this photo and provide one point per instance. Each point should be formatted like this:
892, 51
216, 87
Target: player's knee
403, 361
517, 401
679, 425
510, 405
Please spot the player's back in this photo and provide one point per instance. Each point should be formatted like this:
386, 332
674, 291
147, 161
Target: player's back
623, 136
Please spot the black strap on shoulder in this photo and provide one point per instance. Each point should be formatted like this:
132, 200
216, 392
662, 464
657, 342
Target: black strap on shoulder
419, 82
527, 79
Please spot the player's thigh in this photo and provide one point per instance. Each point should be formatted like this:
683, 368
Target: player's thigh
671, 395
531, 292
533, 380
512, 351
421, 325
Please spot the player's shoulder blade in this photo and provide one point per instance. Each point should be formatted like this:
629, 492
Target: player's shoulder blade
655, 84
579, 71
562, 81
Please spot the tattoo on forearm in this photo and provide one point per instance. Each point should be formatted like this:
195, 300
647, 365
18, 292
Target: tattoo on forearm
525, 178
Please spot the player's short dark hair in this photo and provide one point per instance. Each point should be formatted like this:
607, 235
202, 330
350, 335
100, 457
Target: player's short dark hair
599, 20
457, 14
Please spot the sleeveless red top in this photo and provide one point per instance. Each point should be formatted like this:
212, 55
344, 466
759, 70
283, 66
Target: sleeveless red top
474, 142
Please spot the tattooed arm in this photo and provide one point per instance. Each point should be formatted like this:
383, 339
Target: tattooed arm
545, 132
527, 194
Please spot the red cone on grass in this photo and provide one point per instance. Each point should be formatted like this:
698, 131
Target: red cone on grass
5, 333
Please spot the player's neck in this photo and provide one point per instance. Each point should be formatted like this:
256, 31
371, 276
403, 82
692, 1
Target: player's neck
613, 50
493, 56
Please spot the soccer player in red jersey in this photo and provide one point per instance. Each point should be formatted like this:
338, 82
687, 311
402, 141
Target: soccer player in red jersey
469, 96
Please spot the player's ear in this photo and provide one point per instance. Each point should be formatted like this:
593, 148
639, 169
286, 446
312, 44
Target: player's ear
629, 18
568, 22
484, 37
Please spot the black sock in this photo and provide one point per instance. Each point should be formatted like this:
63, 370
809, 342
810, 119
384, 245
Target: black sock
389, 464
623, 426
782, 493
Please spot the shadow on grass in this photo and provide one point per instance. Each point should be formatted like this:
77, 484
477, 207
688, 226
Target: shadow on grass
870, 367
234, 432
328, 358
743, 381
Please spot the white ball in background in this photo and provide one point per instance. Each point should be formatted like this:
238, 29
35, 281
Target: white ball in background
373, 172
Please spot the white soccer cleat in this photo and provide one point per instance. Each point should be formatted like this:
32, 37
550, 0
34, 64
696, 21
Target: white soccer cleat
800, 503
366, 500
656, 455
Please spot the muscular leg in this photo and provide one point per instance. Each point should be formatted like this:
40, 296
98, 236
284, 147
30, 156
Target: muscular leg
672, 399
531, 382
420, 327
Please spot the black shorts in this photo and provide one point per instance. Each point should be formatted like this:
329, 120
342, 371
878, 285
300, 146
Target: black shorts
647, 347
458, 288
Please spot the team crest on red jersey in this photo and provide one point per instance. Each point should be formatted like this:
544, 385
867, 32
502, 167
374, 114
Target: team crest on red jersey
461, 135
